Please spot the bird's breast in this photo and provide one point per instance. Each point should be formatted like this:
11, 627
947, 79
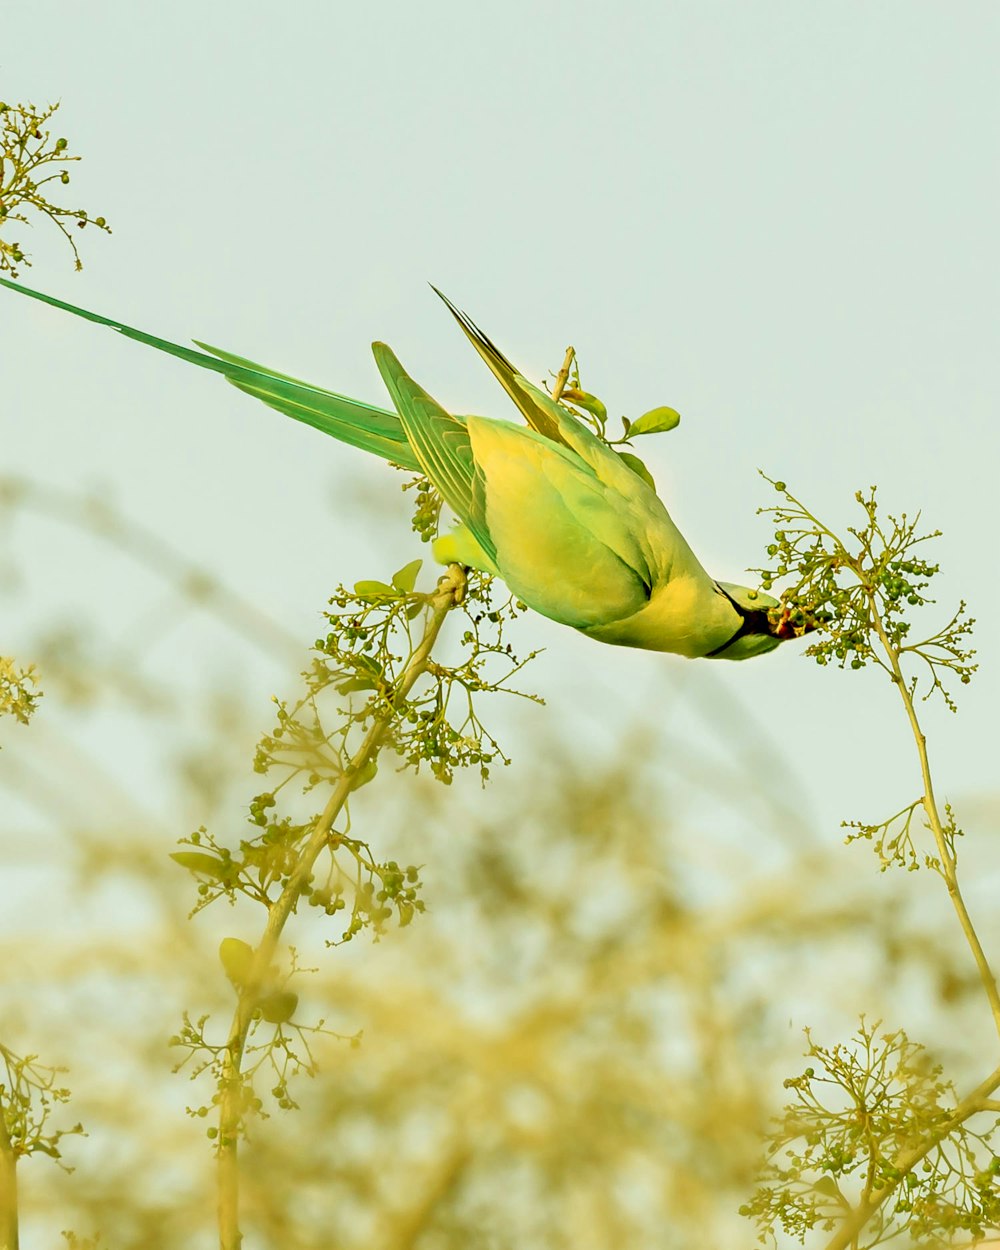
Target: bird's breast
687, 616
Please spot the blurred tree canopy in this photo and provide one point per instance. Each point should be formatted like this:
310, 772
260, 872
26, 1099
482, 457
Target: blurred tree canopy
580, 1043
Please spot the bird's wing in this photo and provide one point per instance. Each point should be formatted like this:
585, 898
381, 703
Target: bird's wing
565, 543
663, 551
440, 443
558, 536
536, 415
349, 420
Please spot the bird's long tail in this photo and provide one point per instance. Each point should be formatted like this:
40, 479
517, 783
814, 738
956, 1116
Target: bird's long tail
349, 420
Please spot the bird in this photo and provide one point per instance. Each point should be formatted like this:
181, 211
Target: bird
566, 522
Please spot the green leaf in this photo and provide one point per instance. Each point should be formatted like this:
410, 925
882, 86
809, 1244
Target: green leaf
637, 467
590, 403
236, 958
406, 578
200, 862
374, 589
278, 1007
656, 421
353, 684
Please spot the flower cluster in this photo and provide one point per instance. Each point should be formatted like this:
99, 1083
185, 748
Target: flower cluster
29, 1091
859, 593
853, 1133
19, 693
30, 160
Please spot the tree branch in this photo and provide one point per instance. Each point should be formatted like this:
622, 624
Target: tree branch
449, 594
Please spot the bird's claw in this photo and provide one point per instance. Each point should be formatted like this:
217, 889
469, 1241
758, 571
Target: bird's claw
456, 581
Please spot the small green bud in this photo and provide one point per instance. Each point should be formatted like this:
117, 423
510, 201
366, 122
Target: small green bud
279, 1007
236, 958
780, 486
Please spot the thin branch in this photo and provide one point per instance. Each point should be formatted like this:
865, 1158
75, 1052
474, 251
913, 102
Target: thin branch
8, 1188
948, 867
448, 595
562, 377
846, 1236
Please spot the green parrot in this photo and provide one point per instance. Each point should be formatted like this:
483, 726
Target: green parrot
549, 507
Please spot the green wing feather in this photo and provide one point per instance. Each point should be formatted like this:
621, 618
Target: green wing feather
537, 416
555, 532
544, 414
563, 542
639, 528
441, 444
349, 420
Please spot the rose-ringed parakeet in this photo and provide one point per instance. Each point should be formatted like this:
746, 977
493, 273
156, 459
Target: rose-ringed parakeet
571, 528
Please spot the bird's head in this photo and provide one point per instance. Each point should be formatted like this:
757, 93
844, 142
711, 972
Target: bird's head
766, 623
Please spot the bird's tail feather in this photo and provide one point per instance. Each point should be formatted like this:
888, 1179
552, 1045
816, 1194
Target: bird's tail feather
349, 420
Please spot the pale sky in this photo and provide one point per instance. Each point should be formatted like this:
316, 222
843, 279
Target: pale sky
778, 218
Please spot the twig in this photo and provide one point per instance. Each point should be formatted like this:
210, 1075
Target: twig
979, 1100
562, 377
8, 1188
948, 867
449, 593
907, 1160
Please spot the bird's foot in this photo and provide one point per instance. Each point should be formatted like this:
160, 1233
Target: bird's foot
455, 580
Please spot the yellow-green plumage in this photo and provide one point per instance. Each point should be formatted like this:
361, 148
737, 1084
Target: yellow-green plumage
560, 516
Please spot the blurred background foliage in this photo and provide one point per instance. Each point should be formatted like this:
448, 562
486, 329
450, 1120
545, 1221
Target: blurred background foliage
579, 1044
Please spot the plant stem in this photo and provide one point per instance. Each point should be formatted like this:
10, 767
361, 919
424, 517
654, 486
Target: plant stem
979, 1100
449, 594
562, 377
8, 1188
907, 1160
948, 864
